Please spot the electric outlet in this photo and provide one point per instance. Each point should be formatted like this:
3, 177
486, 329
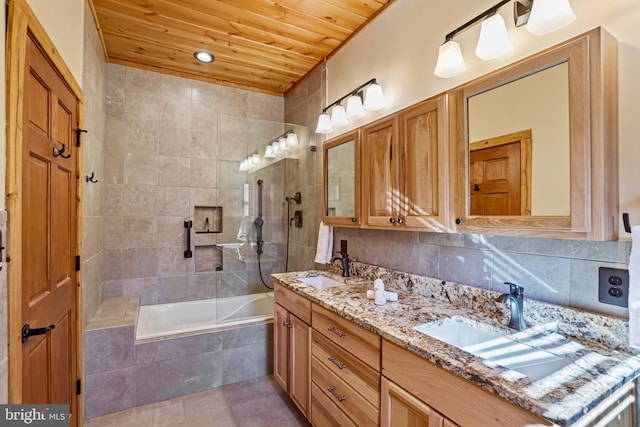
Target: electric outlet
613, 286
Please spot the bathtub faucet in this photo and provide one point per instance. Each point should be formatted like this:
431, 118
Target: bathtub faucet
344, 259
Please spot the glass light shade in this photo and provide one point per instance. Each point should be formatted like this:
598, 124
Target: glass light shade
450, 61
243, 166
374, 98
282, 143
549, 15
255, 159
494, 40
275, 147
268, 152
355, 110
324, 124
338, 116
292, 140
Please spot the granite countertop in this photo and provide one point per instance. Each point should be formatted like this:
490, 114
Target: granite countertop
602, 363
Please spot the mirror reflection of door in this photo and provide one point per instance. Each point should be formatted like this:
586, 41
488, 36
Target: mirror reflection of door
500, 175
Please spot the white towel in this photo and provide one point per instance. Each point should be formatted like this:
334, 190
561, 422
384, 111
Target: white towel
389, 296
634, 288
325, 244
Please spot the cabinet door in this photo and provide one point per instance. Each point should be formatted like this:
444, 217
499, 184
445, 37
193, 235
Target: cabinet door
425, 160
299, 360
281, 346
381, 167
400, 408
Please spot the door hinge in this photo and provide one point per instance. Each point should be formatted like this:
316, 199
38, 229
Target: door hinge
77, 262
78, 386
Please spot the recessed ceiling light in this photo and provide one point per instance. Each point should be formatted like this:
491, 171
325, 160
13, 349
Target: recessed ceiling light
203, 56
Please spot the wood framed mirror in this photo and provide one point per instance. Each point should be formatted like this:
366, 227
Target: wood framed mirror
341, 201
535, 145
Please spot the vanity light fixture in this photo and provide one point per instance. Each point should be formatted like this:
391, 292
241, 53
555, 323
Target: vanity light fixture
268, 152
276, 147
373, 101
292, 140
204, 56
541, 17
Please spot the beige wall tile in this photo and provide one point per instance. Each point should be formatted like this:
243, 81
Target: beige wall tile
140, 169
139, 262
204, 173
139, 231
140, 137
173, 171
140, 199
173, 201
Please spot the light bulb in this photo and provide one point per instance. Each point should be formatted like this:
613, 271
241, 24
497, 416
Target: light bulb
203, 56
324, 124
338, 116
268, 152
494, 40
549, 15
292, 140
355, 110
374, 98
450, 61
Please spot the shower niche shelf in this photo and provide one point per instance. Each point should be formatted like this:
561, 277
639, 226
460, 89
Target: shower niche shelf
208, 258
207, 219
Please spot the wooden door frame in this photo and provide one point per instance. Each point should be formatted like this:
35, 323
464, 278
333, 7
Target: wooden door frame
22, 21
524, 138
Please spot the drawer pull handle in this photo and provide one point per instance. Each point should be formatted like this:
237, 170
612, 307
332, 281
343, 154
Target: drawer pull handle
335, 362
287, 324
332, 390
335, 331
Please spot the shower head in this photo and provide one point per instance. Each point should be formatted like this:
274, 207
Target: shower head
296, 198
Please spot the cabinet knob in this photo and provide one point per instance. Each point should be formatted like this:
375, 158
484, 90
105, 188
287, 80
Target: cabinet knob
392, 220
354, 219
459, 221
400, 220
287, 324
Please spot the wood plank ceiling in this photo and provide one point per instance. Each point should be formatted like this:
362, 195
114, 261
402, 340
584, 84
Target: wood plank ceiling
260, 45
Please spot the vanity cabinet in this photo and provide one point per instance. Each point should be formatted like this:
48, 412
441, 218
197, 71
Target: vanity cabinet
400, 408
457, 400
535, 145
345, 372
405, 168
292, 345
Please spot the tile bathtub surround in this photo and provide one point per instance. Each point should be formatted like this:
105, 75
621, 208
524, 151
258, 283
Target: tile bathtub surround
597, 344
172, 144
131, 374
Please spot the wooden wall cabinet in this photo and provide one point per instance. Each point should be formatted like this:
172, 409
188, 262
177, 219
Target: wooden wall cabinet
405, 168
292, 346
582, 203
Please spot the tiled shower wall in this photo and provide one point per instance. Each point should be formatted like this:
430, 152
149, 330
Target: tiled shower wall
559, 271
172, 144
302, 107
94, 88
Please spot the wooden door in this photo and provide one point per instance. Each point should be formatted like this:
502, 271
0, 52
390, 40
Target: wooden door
281, 346
400, 408
424, 171
49, 222
299, 360
494, 176
381, 174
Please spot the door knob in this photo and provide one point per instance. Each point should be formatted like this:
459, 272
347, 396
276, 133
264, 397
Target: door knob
28, 332
476, 187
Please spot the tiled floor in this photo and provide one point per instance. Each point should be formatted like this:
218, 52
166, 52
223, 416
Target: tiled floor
254, 403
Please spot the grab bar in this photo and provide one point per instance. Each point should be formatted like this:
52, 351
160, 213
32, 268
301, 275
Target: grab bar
188, 225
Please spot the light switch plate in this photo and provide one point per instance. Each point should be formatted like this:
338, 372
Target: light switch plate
613, 286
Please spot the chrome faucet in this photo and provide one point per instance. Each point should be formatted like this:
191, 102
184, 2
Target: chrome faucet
516, 303
344, 258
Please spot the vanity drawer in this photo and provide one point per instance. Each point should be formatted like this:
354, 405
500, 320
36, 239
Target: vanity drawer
363, 344
293, 303
347, 367
325, 413
359, 410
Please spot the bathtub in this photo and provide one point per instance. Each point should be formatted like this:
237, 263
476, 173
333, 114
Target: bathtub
189, 317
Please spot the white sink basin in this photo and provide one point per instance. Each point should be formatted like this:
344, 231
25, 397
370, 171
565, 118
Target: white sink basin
493, 347
321, 282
